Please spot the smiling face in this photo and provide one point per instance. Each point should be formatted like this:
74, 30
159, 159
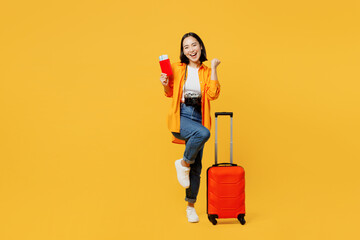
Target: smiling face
192, 50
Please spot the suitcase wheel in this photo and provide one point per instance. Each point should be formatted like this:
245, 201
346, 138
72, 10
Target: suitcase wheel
241, 218
212, 218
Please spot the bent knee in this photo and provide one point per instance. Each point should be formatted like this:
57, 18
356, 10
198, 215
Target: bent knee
205, 134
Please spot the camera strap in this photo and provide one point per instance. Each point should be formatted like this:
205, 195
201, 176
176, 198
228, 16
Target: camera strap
185, 76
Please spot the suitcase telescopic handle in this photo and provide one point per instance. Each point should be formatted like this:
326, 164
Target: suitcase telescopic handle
231, 135
224, 113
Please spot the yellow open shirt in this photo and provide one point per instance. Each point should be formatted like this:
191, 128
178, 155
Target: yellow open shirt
210, 90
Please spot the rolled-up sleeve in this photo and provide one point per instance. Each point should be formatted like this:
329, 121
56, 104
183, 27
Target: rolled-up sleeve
213, 88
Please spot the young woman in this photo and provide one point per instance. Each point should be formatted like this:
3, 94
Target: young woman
191, 87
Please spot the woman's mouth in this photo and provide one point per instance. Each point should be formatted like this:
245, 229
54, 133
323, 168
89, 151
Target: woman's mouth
193, 55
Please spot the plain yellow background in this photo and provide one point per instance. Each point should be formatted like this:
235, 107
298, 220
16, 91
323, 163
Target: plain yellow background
84, 148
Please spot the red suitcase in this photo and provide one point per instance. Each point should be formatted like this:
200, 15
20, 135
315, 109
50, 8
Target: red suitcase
225, 186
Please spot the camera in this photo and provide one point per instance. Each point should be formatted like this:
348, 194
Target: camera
193, 99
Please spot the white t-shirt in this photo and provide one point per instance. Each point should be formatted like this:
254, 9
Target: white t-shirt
192, 83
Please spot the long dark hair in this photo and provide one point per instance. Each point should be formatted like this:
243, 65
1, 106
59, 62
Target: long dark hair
183, 58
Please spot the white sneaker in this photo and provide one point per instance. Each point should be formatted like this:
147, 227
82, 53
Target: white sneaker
182, 174
191, 215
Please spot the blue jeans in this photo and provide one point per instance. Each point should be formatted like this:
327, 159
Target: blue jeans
195, 136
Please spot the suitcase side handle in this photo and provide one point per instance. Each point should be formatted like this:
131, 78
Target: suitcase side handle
219, 164
231, 134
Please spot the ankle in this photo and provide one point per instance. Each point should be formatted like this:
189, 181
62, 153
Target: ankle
184, 164
191, 204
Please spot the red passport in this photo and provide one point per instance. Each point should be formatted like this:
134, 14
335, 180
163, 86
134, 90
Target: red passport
165, 65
